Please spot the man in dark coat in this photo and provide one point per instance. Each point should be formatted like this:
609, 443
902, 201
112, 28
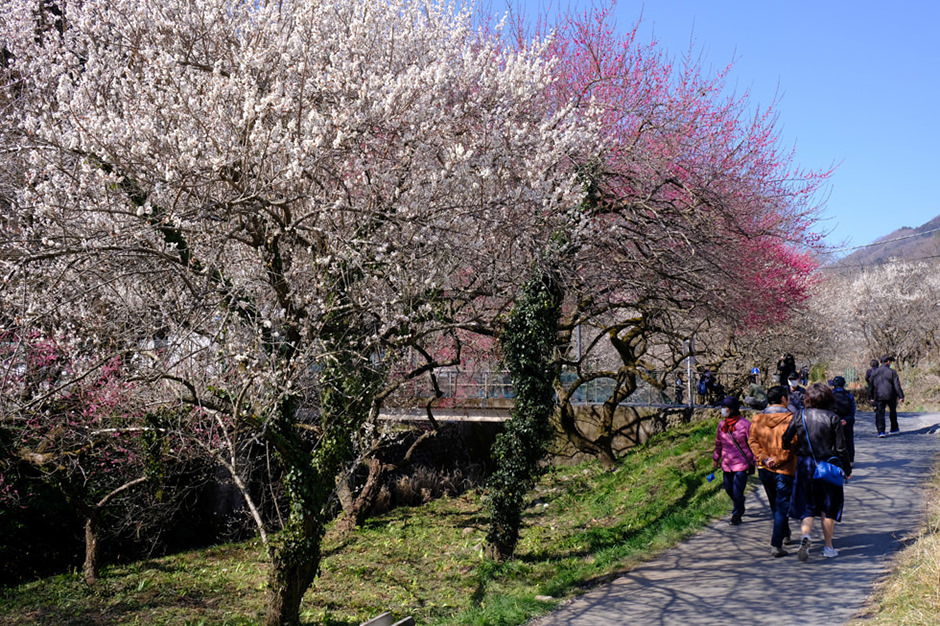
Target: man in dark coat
844, 406
886, 387
785, 366
870, 389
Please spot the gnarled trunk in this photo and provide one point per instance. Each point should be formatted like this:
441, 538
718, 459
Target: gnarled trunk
92, 550
355, 507
287, 584
600, 447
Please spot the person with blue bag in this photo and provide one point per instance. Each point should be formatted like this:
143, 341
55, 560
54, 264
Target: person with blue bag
823, 463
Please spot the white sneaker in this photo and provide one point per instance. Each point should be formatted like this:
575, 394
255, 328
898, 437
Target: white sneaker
830, 553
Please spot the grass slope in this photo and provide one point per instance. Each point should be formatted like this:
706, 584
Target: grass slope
582, 527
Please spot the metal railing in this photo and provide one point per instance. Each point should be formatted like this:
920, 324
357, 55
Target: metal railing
493, 389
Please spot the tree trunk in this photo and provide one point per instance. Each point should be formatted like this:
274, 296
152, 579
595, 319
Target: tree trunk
355, 508
601, 447
295, 555
286, 587
606, 458
92, 551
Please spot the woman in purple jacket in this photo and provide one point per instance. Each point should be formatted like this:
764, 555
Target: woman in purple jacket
734, 455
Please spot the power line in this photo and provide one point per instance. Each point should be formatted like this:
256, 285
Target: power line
881, 243
890, 261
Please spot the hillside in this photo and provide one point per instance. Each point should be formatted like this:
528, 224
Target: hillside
905, 243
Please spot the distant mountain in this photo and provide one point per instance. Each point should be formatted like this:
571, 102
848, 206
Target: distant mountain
905, 243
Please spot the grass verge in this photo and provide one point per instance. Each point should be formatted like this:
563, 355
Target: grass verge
910, 595
583, 526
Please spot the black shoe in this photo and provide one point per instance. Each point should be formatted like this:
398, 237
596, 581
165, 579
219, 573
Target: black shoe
735, 520
778, 552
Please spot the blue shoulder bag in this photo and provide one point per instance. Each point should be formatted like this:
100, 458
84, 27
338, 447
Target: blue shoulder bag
826, 471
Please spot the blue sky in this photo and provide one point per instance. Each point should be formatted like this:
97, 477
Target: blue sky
858, 85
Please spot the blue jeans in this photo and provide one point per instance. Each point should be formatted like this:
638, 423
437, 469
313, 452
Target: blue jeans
778, 488
735, 483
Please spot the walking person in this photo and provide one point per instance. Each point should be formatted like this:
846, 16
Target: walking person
702, 386
776, 466
679, 387
733, 455
817, 435
844, 407
871, 390
886, 387
795, 393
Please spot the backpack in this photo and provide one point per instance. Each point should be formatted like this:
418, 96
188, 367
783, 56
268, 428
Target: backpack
702, 386
843, 404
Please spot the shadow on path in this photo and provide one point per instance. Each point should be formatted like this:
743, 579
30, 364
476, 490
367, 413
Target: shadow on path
726, 573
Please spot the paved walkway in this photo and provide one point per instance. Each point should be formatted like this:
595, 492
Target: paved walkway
725, 574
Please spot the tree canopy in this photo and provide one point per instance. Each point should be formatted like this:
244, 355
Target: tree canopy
259, 205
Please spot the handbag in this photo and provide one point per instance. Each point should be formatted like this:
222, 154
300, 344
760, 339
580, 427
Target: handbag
826, 471
829, 473
750, 468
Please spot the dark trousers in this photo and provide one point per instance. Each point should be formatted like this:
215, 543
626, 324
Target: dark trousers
892, 406
778, 488
735, 483
849, 430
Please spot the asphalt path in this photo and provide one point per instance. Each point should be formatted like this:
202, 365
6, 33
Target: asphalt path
725, 574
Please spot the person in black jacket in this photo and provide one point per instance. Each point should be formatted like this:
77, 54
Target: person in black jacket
795, 393
868, 373
785, 366
844, 406
816, 434
886, 387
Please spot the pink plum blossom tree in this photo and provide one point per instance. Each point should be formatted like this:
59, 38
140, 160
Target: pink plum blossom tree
72, 417
695, 220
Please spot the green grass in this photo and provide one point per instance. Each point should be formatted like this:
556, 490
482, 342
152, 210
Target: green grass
583, 526
910, 595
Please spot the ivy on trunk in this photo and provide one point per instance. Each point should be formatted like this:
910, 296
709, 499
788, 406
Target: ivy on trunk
527, 343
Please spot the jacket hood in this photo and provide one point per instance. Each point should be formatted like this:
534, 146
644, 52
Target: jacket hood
776, 415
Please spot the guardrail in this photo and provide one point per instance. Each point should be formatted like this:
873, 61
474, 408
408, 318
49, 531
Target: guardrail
488, 396
493, 390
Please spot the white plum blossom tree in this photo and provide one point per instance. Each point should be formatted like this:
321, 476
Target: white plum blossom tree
894, 307
261, 202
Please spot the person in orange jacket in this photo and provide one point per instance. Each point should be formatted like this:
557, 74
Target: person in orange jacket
776, 466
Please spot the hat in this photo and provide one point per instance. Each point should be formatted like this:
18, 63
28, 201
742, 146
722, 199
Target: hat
793, 376
838, 381
732, 403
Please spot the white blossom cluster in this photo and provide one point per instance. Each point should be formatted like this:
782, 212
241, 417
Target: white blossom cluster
212, 173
